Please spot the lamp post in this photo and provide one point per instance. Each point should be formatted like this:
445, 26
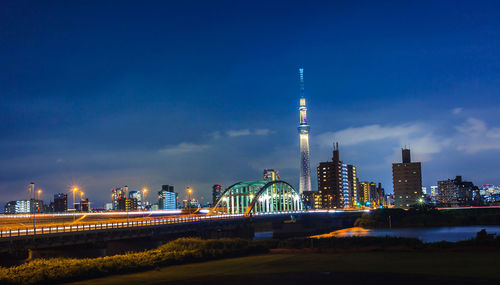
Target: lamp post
126, 201
39, 193
75, 189
144, 192
189, 191
32, 190
81, 199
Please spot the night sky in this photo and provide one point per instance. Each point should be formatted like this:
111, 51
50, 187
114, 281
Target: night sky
104, 94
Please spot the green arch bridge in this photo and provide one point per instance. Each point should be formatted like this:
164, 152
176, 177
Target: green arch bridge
258, 197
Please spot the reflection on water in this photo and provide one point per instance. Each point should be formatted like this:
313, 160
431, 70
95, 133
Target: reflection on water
425, 234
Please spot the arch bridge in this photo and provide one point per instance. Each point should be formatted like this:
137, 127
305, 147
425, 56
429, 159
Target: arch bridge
258, 197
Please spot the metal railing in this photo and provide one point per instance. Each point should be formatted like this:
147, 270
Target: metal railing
107, 225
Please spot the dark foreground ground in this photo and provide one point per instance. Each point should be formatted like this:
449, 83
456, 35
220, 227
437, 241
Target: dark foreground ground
478, 267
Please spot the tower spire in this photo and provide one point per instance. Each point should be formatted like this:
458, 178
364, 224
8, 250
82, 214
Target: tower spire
301, 76
305, 170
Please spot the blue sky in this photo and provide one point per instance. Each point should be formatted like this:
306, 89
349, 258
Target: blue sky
110, 93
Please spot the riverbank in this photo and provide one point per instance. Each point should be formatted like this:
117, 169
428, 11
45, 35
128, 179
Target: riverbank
191, 250
425, 216
339, 268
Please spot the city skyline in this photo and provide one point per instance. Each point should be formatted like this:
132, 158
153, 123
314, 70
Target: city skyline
113, 102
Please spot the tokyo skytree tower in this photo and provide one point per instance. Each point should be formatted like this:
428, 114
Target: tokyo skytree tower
305, 169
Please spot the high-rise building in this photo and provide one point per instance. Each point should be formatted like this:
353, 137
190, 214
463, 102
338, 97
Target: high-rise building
455, 192
337, 182
216, 193
137, 196
18, 207
407, 181
10, 208
305, 168
116, 195
167, 198
271, 174
371, 194
60, 202
311, 199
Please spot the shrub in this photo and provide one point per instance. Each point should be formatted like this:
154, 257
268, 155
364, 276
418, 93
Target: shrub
179, 251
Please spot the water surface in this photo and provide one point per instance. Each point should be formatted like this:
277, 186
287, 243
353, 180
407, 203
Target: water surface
433, 234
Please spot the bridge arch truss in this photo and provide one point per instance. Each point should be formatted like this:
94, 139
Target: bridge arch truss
258, 197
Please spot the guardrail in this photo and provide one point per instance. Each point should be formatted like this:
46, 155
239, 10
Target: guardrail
154, 222
105, 226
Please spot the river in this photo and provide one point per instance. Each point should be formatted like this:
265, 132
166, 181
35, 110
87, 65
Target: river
432, 234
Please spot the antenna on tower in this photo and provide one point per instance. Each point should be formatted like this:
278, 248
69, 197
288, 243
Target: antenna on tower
301, 74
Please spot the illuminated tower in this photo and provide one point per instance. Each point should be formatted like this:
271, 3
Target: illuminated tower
305, 169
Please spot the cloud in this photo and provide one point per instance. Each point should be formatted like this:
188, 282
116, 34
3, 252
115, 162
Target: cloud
352, 136
472, 127
457, 111
262, 132
476, 136
420, 137
238, 133
248, 132
183, 148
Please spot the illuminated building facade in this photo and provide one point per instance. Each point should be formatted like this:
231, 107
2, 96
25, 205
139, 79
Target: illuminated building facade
167, 198
60, 202
258, 197
271, 174
490, 193
407, 181
456, 192
305, 168
371, 194
118, 194
216, 192
311, 199
337, 182
18, 207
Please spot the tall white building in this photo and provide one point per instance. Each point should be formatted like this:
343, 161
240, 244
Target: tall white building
305, 168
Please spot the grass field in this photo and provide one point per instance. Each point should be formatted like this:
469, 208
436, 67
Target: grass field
339, 268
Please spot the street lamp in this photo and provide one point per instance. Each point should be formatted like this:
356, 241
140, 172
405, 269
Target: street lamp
75, 189
39, 192
189, 191
81, 199
144, 192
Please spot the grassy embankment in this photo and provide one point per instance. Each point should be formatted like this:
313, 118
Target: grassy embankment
338, 268
425, 216
190, 250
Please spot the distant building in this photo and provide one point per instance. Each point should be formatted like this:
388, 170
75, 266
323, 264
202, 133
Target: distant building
83, 206
490, 193
116, 195
371, 194
108, 206
424, 190
60, 202
154, 207
18, 207
311, 199
10, 208
455, 192
216, 193
271, 175
407, 181
137, 195
194, 204
131, 204
434, 191
121, 204
337, 182
167, 198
